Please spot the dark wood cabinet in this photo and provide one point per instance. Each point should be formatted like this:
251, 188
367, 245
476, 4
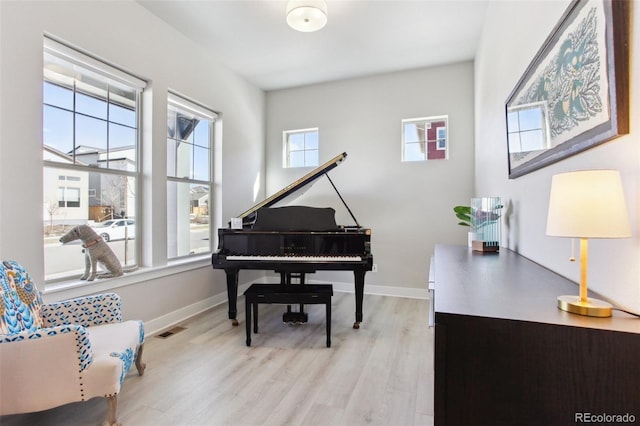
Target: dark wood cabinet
505, 355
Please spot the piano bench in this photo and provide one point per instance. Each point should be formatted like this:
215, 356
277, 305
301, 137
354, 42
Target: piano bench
291, 294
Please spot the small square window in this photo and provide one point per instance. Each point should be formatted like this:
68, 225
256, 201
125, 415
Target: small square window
300, 148
425, 139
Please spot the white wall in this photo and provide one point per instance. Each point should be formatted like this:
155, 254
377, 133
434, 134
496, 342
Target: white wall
126, 35
408, 206
513, 33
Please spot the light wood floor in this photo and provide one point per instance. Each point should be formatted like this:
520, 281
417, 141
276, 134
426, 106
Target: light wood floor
381, 374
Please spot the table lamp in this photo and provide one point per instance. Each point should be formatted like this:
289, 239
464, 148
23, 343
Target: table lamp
587, 204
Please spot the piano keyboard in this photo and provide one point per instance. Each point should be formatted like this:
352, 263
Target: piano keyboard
298, 258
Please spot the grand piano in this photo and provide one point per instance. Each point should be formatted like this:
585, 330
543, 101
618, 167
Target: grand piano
293, 241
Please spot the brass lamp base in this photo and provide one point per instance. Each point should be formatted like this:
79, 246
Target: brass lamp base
591, 307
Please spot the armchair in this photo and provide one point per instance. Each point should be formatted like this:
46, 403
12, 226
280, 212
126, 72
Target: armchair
58, 353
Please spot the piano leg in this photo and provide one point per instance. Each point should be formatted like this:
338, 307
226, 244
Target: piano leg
232, 294
359, 285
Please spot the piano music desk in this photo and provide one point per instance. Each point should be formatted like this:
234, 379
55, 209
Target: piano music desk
307, 294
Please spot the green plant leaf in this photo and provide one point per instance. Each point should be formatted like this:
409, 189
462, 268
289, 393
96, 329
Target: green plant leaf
463, 213
462, 209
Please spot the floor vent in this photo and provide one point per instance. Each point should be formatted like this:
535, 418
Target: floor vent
171, 332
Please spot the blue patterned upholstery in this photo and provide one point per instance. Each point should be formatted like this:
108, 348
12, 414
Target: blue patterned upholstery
87, 311
57, 353
20, 300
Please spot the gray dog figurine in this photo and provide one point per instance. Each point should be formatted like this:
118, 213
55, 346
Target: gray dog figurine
95, 250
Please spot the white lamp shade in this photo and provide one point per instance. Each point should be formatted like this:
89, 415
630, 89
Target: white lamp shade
306, 15
587, 204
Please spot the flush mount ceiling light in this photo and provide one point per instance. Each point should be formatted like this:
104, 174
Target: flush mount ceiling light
306, 15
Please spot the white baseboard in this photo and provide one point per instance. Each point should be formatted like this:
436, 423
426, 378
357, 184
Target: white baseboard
381, 290
164, 322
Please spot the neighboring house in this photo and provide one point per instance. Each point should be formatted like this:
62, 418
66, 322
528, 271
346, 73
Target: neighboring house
76, 197
65, 200
108, 192
200, 203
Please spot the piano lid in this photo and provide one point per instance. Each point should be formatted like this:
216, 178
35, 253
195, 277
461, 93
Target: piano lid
297, 187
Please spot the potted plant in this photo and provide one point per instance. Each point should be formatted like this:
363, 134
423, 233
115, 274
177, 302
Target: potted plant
463, 213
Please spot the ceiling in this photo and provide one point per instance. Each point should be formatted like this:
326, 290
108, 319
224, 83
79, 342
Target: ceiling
362, 37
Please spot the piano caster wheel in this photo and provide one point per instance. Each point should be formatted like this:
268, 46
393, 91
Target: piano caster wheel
234, 322
356, 325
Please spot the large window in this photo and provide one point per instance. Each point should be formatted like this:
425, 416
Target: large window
90, 151
425, 139
300, 148
189, 158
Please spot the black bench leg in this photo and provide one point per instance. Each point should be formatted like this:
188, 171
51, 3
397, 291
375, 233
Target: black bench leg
248, 319
328, 319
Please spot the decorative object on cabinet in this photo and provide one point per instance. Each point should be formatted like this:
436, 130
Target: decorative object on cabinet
587, 204
53, 354
485, 223
575, 93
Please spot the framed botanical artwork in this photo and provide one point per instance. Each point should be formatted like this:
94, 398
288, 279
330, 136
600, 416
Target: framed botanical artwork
575, 93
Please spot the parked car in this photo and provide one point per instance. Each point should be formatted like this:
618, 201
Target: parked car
116, 229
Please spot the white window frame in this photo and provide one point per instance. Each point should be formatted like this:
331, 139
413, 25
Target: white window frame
85, 64
181, 104
286, 147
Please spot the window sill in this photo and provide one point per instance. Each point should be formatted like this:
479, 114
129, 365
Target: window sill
77, 288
